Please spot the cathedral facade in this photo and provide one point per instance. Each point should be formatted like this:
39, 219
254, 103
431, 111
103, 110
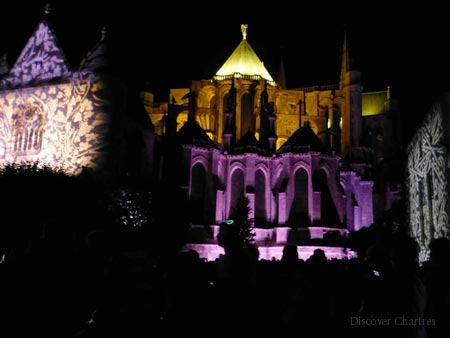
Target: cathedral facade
53, 115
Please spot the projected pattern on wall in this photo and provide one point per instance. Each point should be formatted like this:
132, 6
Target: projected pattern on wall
49, 114
61, 125
40, 60
427, 182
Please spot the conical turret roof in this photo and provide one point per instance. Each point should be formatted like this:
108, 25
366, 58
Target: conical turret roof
303, 140
96, 58
244, 62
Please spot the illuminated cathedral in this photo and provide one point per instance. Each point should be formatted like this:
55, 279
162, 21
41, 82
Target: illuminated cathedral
57, 116
305, 158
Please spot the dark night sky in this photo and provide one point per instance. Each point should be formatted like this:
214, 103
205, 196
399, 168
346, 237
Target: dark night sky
168, 44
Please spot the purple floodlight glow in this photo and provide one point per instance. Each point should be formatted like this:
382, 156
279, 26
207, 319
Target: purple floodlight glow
296, 189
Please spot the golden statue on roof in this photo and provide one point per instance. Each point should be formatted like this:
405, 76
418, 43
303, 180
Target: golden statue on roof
244, 31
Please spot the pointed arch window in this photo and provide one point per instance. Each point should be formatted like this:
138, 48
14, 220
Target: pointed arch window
237, 188
260, 198
28, 129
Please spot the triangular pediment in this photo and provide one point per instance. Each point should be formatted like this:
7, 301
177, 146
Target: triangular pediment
41, 60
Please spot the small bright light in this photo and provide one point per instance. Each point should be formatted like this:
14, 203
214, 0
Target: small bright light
228, 221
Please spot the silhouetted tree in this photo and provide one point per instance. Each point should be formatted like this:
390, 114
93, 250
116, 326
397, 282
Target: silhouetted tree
239, 233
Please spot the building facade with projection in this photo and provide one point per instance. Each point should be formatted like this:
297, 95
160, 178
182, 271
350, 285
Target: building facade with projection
55, 115
427, 177
305, 158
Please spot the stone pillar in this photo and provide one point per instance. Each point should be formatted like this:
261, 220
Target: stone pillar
366, 204
282, 208
356, 218
226, 140
316, 206
220, 206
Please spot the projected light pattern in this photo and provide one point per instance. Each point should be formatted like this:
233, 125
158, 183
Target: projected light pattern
62, 125
40, 60
49, 114
427, 181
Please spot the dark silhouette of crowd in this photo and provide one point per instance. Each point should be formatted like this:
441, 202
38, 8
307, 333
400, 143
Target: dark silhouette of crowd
105, 287
72, 280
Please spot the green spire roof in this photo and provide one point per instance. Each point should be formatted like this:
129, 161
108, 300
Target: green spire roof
244, 62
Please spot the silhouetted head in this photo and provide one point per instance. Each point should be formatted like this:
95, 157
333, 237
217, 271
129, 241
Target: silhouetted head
318, 256
290, 253
404, 252
440, 251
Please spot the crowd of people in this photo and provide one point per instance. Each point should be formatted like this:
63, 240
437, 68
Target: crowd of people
98, 289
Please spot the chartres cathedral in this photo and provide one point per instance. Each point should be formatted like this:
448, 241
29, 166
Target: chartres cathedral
306, 158
310, 160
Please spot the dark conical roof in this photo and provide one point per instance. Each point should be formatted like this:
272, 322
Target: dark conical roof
96, 58
137, 113
303, 140
192, 133
248, 140
248, 144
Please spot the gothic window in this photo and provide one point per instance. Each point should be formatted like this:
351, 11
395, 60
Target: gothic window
237, 188
28, 129
247, 116
336, 135
299, 210
225, 110
226, 103
212, 133
260, 198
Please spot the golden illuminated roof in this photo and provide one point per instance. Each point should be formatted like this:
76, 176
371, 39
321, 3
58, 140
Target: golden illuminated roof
244, 62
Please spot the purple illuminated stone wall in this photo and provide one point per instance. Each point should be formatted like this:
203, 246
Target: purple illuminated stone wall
278, 238
351, 197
